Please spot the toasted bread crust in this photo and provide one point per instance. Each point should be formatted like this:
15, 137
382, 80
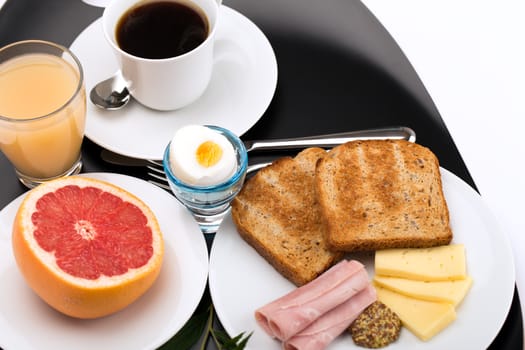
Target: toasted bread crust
278, 214
382, 194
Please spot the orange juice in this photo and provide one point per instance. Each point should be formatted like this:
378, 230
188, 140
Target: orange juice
42, 114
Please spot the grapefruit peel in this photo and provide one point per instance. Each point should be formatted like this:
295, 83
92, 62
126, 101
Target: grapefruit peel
98, 294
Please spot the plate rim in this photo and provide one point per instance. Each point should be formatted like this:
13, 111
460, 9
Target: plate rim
449, 180
135, 186
269, 78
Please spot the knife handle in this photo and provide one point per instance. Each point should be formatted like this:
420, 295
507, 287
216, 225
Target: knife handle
332, 140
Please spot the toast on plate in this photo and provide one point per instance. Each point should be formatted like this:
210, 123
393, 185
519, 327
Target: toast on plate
278, 214
380, 194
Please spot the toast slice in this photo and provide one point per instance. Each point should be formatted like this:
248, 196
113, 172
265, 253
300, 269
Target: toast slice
277, 213
382, 194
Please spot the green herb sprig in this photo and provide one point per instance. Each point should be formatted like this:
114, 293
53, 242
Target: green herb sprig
223, 340
200, 328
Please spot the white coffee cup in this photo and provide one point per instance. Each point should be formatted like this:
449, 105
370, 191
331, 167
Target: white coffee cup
167, 83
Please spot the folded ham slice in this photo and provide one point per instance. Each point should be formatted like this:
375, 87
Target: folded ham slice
293, 312
320, 333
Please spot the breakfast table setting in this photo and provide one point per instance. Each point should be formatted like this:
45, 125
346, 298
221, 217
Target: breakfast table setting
445, 75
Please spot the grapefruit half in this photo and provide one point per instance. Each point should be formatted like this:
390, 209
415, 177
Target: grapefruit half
86, 247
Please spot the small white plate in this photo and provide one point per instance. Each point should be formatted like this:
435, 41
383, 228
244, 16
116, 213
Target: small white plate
26, 322
241, 280
241, 88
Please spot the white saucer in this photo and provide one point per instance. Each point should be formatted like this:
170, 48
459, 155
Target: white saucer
241, 88
27, 323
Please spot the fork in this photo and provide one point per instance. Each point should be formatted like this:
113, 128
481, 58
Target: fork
156, 171
158, 177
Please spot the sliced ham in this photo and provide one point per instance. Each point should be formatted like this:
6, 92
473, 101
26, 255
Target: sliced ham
291, 313
320, 333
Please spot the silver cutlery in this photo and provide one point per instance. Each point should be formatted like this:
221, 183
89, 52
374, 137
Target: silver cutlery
156, 172
332, 140
324, 141
110, 94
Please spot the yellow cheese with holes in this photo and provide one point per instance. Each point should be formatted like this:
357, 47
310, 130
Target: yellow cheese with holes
422, 317
443, 291
426, 264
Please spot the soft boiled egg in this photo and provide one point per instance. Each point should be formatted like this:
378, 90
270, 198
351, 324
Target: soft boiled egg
201, 156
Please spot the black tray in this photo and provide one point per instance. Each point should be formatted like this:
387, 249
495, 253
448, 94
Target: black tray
339, 70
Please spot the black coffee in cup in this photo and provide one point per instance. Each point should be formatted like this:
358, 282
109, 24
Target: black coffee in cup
161, 29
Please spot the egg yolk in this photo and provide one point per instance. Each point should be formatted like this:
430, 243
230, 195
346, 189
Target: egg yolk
208, 154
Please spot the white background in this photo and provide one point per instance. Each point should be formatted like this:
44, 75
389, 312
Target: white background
470, 55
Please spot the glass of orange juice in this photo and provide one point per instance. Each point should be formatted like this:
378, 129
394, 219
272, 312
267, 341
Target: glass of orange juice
42, 110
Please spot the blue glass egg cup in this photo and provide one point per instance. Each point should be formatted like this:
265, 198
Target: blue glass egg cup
210, 204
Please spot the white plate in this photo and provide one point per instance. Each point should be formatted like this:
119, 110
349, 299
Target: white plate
241, 281
241, 88
26, 322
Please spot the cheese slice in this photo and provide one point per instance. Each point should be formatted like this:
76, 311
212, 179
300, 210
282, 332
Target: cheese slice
425, 264
443, 291
423, 318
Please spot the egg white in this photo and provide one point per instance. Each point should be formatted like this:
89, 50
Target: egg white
183, 159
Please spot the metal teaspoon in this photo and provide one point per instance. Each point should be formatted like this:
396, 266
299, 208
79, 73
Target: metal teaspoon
110, 94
